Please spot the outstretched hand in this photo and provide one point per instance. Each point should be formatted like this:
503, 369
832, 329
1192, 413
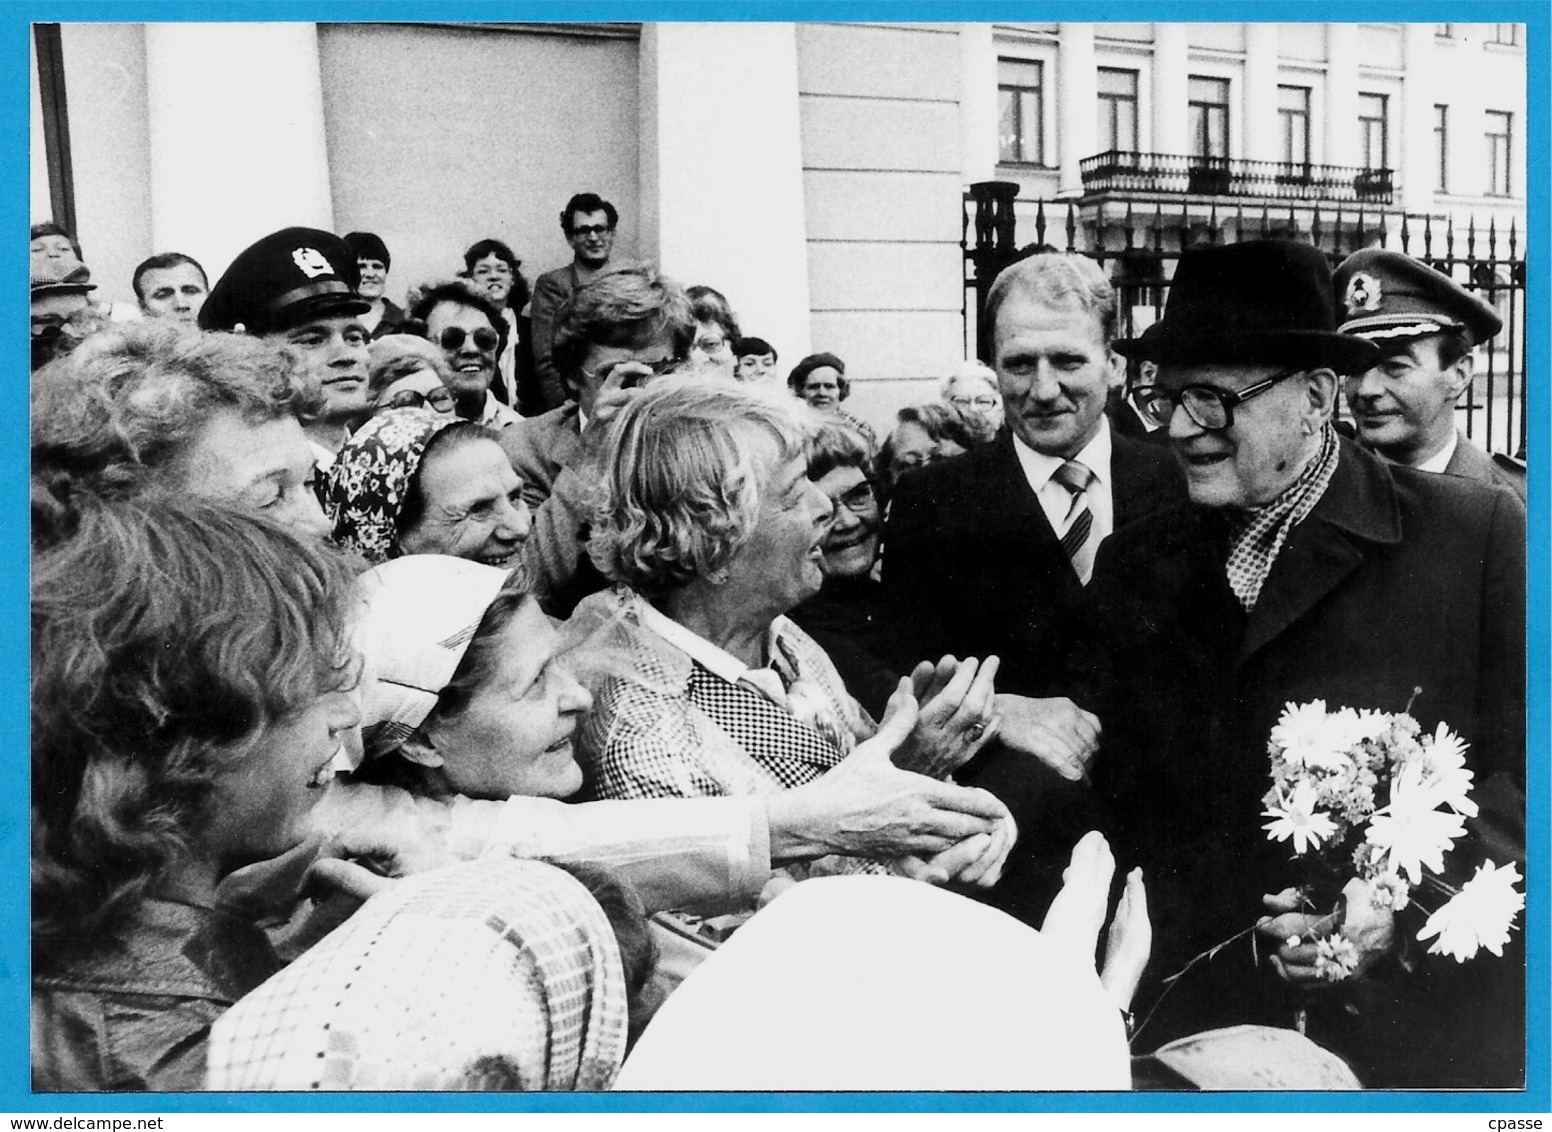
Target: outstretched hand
868, 807
958, 714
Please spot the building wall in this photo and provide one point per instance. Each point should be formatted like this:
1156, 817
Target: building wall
439, 136
882, 188
105, 79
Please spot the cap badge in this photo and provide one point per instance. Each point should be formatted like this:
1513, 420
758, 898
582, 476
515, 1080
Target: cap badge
1363, 292
311, 263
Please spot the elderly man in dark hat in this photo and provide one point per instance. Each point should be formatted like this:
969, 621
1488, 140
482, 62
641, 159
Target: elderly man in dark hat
1425, 325
298, 286
1302, 568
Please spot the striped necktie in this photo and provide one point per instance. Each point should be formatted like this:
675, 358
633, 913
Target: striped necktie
1076, 478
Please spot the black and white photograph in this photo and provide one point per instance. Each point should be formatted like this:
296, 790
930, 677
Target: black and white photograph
744, 557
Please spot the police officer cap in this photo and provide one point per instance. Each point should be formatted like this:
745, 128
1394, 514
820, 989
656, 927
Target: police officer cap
289, 277
1386, 295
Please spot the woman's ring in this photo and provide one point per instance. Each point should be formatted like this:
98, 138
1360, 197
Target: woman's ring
976, 731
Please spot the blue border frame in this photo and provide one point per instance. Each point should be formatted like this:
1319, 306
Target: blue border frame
15, 19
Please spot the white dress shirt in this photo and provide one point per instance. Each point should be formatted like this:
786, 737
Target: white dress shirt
1056, 500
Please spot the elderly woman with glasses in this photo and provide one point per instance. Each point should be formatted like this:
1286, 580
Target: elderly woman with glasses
710, 526
407, 372
972, 389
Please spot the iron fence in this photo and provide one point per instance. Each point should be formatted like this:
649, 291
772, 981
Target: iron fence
1141, 243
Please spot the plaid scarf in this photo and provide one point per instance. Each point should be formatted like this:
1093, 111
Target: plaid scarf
1256, 537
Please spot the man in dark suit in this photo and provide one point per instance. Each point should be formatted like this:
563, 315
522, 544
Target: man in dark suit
1301, 568
987, 554
1425, 325
974, 556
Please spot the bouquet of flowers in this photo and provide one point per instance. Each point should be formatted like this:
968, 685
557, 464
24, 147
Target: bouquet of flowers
1366, 796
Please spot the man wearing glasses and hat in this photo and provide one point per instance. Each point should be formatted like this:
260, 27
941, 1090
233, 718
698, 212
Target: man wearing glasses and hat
1301, 568
298, 286
1425, 325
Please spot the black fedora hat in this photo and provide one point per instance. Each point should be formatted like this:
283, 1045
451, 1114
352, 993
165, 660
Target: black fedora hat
1265, 301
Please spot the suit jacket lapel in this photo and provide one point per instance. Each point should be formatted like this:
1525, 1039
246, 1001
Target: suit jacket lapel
1358, 510
1011, 500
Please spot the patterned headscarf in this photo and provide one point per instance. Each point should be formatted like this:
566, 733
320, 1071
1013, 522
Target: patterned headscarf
492, 959
365, 488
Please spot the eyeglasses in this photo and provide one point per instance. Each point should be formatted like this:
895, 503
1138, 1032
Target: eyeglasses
440, 399
986, 402
859, 500
710, 345
585, 230
1208, 406
484, 340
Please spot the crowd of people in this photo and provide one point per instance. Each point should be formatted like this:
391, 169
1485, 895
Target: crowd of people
529, 690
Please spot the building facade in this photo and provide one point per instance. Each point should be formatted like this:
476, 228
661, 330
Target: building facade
815, 173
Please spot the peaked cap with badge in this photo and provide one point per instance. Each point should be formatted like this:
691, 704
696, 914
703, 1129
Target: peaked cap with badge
1386, 296
289, 277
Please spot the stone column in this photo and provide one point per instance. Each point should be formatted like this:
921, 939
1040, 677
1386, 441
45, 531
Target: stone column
1262, 137
1075, 97
237, 135
1171, 69
977, 103
706, 216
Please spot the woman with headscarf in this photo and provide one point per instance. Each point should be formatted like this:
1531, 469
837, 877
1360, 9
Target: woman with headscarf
192, 678
410, 481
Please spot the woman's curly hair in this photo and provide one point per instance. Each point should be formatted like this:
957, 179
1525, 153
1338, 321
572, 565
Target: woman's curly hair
119, 412
681, 486
167, 636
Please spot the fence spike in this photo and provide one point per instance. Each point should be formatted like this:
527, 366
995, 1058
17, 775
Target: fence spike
1185, 226
1293, 223
1040, 222
1336, 236
1212, 223
1239, 221
1266, 221
1406, 235
1128, 225
1315, 226
1492, 239
1358, 236
1471, 237
1072, 228
1428, 236
1449, 235
1512, 241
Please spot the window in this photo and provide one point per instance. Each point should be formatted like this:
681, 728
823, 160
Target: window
1374, 130
1117, 109
1293, 114
1500, 143
1441, 148
1506, 34
1208, 121
1020, 112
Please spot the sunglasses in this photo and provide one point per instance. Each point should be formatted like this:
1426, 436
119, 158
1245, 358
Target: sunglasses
440, 399
484, 340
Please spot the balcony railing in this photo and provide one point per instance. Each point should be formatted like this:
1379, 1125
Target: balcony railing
1129, 172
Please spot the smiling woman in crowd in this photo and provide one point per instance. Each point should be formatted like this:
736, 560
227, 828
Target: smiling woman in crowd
192, 681
411, 481
712, 530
